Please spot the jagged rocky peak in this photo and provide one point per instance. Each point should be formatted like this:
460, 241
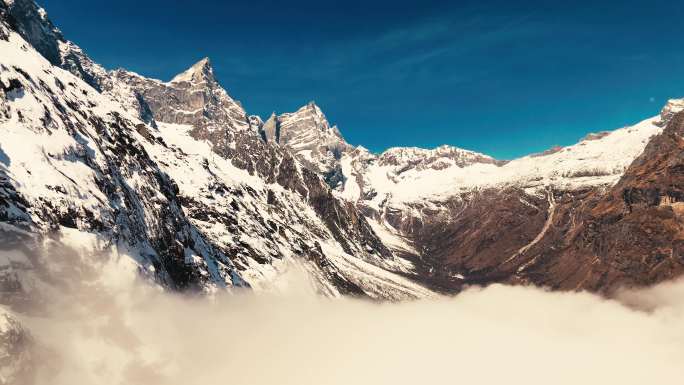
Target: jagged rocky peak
439, 158
307, 128
671, 108
202, 71
309, 135
193, 97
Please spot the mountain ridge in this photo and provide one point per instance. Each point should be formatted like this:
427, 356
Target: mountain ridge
391, 210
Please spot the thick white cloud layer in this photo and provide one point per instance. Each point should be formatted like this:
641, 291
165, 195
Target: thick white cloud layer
116, 330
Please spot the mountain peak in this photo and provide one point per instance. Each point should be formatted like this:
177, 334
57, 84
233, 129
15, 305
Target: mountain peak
198, 72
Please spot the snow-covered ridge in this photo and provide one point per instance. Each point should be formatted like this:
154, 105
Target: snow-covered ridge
439, 158
402, 175
405, 175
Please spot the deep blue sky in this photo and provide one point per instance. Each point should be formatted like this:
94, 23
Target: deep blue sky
502, 77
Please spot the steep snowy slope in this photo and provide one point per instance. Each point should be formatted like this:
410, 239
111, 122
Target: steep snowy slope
72, 158
32, 23
205, 203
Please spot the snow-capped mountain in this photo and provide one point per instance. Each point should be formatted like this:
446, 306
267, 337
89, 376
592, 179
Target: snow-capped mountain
172, 174
401, 176
204, 195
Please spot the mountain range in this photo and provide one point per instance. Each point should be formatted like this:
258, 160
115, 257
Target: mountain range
203, 196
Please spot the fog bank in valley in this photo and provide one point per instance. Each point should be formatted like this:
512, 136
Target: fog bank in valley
108, 327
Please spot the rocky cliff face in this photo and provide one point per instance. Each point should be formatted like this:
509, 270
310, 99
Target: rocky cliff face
193, 97
308, 135
629, 236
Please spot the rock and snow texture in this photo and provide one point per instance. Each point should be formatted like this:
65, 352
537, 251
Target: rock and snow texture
310, 137
193, 97
178, 174
407, 175
74, 159
16, 359
31, 21
206, 196
672, 107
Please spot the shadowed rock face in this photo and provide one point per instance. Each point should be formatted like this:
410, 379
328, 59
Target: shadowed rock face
193, 97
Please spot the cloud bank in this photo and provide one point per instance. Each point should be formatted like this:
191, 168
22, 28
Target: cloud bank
113, 329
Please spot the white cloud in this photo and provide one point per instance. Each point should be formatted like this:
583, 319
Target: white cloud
116, 330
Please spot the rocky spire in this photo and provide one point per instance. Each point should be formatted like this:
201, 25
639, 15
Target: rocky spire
269, 130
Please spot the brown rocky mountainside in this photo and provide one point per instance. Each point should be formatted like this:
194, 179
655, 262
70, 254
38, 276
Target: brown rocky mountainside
593, 239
